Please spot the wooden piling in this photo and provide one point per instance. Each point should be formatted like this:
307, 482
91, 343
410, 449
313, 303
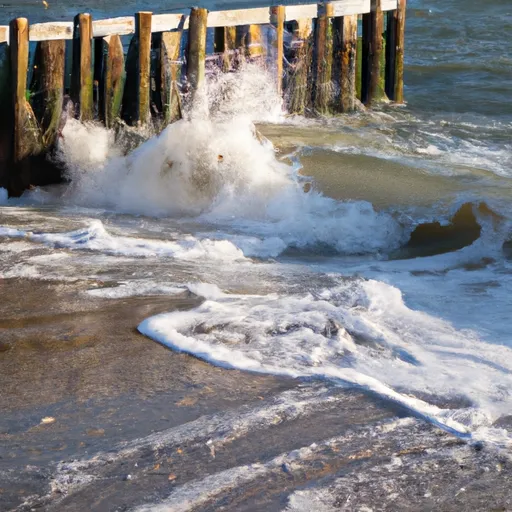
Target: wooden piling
48, 88
137, 89
398, 96
196, 52
6, 114
322, 92
299, 73
27, 137
143, 35
345, 30
111, 82
254, 43
373, 56
225, 43
82, 74
167, 97
277, 19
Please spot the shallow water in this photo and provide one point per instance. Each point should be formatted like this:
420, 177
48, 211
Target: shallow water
370, 251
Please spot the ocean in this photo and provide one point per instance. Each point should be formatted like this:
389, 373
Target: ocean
359, 259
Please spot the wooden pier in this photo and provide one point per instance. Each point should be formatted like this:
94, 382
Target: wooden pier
325, 58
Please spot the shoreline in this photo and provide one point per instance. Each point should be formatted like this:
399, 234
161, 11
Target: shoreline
127, 405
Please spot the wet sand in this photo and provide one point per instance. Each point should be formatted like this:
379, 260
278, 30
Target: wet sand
143, 424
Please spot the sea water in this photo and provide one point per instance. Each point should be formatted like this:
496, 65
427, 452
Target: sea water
352, 280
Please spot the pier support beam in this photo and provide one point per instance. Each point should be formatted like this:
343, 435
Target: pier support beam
167, 96
27, 137
254, 43
82, 75
143, 35
345, 30
136, 97
322, 92
299, 74
196, 52
48, 87
398, 96
277, 19
111, 83
373, 56
225, 43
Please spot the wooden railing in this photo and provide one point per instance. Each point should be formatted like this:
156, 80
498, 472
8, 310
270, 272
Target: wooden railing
148, 82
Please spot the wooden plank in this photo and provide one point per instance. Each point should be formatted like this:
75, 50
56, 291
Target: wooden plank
51, 31
125, 25
296, 12
143, 35
115, 26
48, 88
196, 51
4, 34
322, 91
82, 75
349, 7
111, 83
168, 22
239, 17
389, 5
277, 19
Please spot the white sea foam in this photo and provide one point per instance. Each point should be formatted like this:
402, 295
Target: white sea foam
360, 332
215, 167
95, 237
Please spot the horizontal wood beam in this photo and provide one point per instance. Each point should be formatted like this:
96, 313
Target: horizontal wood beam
165, 22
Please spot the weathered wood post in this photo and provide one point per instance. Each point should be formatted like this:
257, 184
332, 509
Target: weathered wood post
225, 43
143, 34
196, 52
111, 83
373, 28
322, 91
298, 77
6, 114
48, 87
390, 54
82, 74
167, 96
399, 53
345, 30
254, 42
27, 137
277, 19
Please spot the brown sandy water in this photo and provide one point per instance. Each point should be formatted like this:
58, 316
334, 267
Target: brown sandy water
144, 421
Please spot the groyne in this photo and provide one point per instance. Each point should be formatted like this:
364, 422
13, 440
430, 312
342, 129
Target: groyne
138, 70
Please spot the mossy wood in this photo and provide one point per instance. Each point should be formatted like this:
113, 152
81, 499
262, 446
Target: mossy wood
82, 73
225, 43
399, 52
48, 88
277, 19
27, 135
143, 36
166, 96
323, 87
345, 29
112, 79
